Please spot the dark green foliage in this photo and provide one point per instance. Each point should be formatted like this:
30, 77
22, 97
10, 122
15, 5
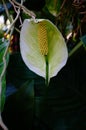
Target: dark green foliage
61, 105
3, 46
83, 39
19, 107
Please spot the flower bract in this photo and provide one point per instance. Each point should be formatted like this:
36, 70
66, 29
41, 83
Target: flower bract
32, 35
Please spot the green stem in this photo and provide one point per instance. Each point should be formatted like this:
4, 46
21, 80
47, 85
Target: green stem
47, 71
75, 48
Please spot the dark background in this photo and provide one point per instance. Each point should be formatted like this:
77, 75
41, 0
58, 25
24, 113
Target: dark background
61, 106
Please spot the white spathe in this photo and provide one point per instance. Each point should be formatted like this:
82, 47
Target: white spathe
29, 47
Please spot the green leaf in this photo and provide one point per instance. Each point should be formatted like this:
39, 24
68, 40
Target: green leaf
83, 39
21, 104
35, 61
53, 6
2, 93
3, 46
24, 97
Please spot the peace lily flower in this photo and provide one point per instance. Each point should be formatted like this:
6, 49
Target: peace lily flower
42, 47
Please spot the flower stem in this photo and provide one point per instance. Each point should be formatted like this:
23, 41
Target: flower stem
75, 48
47, 71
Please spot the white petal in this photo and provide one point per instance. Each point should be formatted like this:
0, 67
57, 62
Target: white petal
57, 56
58, 53
30, 49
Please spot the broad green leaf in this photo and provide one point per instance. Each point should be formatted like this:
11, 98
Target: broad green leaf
24, 97
21, 106
29, 46
3, 45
